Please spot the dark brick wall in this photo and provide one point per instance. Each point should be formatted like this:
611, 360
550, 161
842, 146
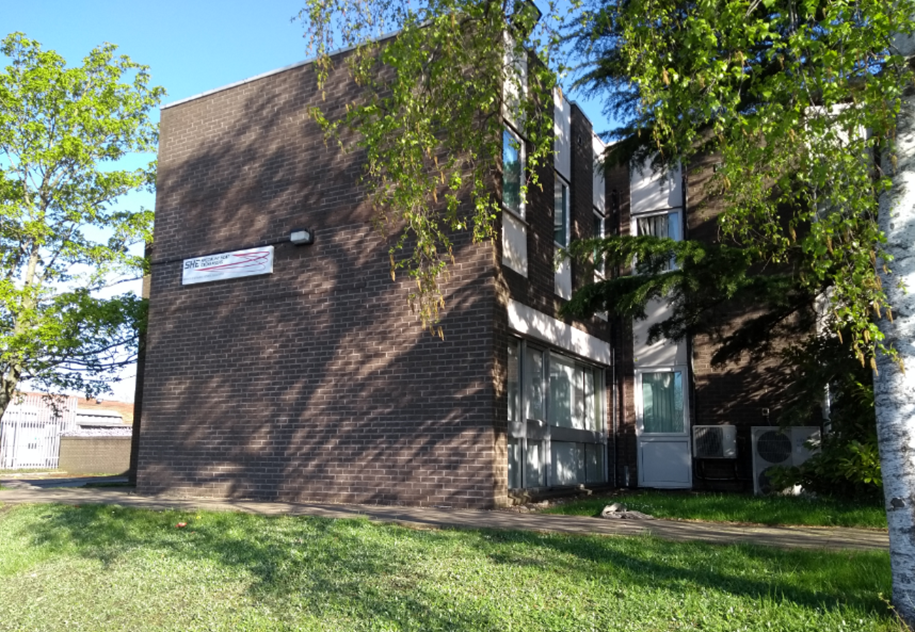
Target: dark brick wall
618, 222
314, 383
744, 392
737, 393
94, 455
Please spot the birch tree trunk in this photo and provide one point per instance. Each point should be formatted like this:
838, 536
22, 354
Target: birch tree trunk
894, 389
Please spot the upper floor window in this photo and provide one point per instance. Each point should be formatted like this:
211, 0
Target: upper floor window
512, 172
661, 225
599, 225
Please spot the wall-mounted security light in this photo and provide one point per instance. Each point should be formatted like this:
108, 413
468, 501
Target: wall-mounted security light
302, 237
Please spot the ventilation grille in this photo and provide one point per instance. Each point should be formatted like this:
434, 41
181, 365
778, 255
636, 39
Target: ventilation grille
715, 442
775, 447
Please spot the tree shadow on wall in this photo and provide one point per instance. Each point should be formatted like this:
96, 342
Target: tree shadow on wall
314, 382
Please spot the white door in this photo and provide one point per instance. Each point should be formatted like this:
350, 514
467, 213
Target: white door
662, 428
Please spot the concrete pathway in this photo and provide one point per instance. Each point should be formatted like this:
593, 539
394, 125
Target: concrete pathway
428, 517
44, 482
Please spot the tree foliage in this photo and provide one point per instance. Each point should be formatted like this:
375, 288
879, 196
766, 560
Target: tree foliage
847, 463
796, 99
430, 117
61, 236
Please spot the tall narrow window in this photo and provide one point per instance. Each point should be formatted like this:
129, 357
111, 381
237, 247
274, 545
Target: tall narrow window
512, 173
564, 393
598, 234
561, 213
534, 456
514, 412
533, 384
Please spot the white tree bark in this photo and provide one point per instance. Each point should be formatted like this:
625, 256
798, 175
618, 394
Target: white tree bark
894, 389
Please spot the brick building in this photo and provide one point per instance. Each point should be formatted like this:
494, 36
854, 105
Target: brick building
669, 389
306, 378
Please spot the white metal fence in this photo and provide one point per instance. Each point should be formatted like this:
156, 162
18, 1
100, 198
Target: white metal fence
30, 430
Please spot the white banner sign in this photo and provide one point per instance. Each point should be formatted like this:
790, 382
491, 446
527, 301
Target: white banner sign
228, 265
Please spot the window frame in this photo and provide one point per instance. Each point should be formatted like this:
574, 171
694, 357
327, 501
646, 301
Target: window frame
526, 435
667, 212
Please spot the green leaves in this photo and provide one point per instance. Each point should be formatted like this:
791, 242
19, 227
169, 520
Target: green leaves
430, 120
796, 100
61, 237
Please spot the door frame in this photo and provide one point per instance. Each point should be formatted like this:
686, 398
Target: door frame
682, 438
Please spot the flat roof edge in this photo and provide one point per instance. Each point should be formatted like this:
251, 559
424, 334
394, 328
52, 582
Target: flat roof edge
587, 118
298, 64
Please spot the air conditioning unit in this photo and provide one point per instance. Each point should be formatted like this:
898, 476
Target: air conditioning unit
715, 442
785, 447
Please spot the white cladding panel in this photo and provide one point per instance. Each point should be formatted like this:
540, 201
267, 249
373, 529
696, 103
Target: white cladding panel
562, 130
527, 320
563, 278
514, 243
664, 352
650, 191
599, 189
514, 86
665, 462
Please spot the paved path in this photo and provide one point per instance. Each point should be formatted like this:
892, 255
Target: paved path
428, 517
41, 482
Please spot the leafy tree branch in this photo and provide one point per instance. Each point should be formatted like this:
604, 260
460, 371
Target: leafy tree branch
61, 236
430, 118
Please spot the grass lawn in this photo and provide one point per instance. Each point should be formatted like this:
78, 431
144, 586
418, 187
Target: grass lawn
769, 510
113, 568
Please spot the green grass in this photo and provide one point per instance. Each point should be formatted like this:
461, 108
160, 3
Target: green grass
768, 510
113, 568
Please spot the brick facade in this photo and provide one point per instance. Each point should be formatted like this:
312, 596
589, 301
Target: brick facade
743, 393
314, 382
625, 455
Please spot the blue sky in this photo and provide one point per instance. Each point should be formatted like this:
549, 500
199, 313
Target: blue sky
190, 46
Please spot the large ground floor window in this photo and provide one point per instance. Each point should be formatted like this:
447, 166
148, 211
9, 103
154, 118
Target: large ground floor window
555, 417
